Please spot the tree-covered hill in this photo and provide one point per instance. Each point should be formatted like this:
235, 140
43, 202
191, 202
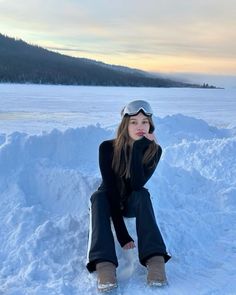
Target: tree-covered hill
21, 62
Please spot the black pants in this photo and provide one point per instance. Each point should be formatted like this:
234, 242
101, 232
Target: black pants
101, 246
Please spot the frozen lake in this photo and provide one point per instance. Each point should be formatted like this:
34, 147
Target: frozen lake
36, 108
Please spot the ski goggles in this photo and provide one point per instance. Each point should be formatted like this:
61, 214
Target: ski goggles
134, 107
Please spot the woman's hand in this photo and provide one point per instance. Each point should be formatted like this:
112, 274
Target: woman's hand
129, 245
150, 136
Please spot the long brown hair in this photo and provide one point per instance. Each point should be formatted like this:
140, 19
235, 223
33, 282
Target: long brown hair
123, 145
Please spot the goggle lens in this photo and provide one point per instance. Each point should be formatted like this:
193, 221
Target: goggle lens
136, 106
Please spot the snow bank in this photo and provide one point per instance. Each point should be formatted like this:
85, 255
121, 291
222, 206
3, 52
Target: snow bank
45, 184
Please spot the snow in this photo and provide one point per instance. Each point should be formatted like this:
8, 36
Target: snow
49, 138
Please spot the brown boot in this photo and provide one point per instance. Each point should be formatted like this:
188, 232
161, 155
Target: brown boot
106, 276
156, 271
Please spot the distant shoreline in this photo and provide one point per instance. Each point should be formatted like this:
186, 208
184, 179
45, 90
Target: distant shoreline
128, 86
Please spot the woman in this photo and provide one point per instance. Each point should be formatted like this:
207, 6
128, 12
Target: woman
126, 164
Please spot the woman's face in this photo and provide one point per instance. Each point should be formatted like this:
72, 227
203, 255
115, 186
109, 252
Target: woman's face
138, 126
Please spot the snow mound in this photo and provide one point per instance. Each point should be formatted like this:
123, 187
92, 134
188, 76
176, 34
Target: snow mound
46, 182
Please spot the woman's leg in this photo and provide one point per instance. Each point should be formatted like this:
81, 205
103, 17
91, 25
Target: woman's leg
101, 246
150, 241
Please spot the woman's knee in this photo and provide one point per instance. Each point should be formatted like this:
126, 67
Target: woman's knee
143, 191
143, 196
98, 195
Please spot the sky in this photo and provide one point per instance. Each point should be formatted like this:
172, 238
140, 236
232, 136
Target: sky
167, 36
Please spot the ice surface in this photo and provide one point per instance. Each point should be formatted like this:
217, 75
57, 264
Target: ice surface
36, 108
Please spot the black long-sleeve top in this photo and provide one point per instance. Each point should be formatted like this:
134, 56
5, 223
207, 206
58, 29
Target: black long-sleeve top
139, 175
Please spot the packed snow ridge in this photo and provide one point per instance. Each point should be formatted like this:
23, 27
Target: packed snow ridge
45, 185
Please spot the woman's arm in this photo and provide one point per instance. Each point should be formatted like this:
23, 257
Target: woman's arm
109, 181
140, 173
